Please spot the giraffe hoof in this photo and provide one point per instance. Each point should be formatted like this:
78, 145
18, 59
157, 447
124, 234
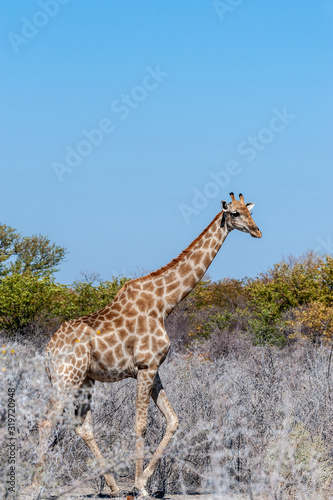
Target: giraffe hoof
158, 494
138, 493
118, 494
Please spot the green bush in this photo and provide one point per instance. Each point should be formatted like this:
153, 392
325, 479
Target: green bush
84, 298
289, 284
259, 305
26, 299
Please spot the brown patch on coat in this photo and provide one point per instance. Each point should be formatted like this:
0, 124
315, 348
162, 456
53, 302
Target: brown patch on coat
197, 257
118, 351
173, 297
152, 324
185, 268
144, 360
131, 294
189, 281
160, 305
107, 327
110, 339
118, 322
130, 312
101, 345
141, 325
122, 364
130, 344
170, 277
122, 334
141, 305
149, 286
170, 288
148, 298
159, 291
207, 260
80, 350
159, 345
109, 358
144, 343
130, 325
96, 355
116, 306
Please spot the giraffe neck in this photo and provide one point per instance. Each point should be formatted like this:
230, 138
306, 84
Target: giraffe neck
179, 277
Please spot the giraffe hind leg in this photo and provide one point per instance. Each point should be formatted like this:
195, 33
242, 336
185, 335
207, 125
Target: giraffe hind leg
64, 387
85, 430
45, 428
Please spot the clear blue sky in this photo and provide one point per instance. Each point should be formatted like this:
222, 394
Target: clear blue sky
182, 90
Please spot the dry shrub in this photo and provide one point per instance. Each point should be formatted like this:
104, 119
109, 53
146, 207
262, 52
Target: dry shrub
293, 455
236, 414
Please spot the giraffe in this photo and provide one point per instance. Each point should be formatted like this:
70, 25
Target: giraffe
128, 339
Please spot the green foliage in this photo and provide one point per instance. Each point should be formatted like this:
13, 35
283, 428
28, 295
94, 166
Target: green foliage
214, 307
326, 275
230, 294
83, 298
264, 324
219, 321
259, 306
289, 284
28, 293
24, 299
28, 254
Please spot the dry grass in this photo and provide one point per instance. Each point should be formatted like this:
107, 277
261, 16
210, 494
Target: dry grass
256, 421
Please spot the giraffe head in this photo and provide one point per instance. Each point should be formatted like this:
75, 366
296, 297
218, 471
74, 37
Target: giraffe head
236, 215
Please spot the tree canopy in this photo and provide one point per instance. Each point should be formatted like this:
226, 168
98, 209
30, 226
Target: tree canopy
34, 254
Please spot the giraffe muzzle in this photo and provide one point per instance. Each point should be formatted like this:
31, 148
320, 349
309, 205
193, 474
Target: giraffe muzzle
256, 233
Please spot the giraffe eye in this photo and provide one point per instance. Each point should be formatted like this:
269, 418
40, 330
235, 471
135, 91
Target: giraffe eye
235, 214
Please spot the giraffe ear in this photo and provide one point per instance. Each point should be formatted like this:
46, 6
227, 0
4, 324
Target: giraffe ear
250, 205
224, 205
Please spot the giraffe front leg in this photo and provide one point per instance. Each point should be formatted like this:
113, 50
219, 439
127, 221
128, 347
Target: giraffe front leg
162, 403
145, 385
